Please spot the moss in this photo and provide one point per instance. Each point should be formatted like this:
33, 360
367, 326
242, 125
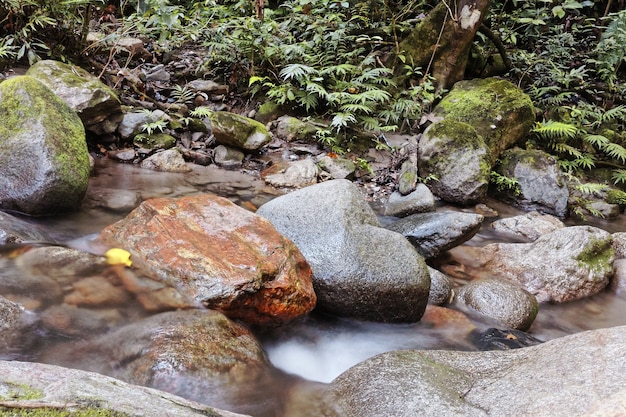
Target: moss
616, 197
11, 391
154, 141
60, 412
597, 255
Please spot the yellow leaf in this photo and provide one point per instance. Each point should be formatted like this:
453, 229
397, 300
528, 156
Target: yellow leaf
117, 256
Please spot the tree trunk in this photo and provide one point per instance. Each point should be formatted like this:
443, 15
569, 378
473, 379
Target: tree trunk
441, 43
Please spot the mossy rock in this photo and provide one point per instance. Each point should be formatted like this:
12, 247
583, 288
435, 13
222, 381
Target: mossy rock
154, 141
92, 100
499, 111
238, 131
44, 163
458, 157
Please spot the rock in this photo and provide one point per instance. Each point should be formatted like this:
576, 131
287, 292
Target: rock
15, 230
239, 131
541, 185
457, 156
619, 244
90, 98
496, 339
208, 86
15, 326
499, 300
44, 163
132, 122
603, 209
121, 201
436, 232
200, 354
337, 168
618, 281
471, 384
54, 385
500, 112
268, 112
218, 254
291, 129
154, 141
419, 201
227, 157
97, 291
168, 161
297, 174
567, 264
440, 288
123, 155
69, 320
133, 46
528, 226
408, 175
157, 73
359, 269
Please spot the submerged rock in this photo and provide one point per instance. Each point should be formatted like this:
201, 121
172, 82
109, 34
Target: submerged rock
218, 254
575, 375
44, 163
360, 269
436, 232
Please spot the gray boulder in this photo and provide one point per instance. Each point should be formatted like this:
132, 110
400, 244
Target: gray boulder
298, 174
34, 384
577, 375
440, 288
459, 158
44, 163
567, 264
528, 226
239, 131
541, 185
169, 160
96, 104
359, 269
421, 200
436, 232
499, 300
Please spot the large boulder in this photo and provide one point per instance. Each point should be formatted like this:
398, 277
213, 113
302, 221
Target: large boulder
500, 112
97, 105
567, 264
38, 385
436, 232
218, 254
44, 163
540, 184
457, 156
577, 375
528, 226
232, 129
359, 269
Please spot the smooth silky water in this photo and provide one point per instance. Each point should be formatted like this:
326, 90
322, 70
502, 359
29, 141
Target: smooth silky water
317, 348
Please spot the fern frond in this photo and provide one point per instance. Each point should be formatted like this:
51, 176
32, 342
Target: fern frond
568, 149
597, 140
618, 112
356, 108
555, 130
615, 151
296, 71
341, 119
376, 95
619, 176
592, 188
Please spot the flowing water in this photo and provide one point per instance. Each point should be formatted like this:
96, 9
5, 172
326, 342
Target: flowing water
316, 348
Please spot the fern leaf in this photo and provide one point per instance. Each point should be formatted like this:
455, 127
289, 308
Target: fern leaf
619, 176
615, 151
555, 130
618, 112
341, 119
296, 71
356, 108
597, 140
565, 148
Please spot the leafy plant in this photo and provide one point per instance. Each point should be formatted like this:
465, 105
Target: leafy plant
504, 183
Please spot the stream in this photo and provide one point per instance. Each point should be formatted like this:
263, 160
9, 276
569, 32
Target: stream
317, 348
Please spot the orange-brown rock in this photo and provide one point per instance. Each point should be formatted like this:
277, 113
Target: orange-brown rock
218, 254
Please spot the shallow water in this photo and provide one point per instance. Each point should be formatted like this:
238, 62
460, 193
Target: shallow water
318, 347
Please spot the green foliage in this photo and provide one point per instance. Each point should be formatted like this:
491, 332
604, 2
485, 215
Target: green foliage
153, 124
504, 183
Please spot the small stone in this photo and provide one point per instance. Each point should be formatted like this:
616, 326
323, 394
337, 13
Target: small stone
421, 200
168, 161
227, 157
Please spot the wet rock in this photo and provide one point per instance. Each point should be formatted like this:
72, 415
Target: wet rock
297, 174
337, 168
360, 269
502, 301
500, 112
408, 175
170, 160
15, 230
567, 264
239, 131
419, 201
528, 226
15, 323
440, 288
218, 254
132, 122
227, 157
199, 354
44, 163
436, 232
618, 281
541, 185
603, 209
619, 244
496, 339
458, 157
471, 384
97, 291
71, 388
123, 155
70, 320
291, 129
90, 98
